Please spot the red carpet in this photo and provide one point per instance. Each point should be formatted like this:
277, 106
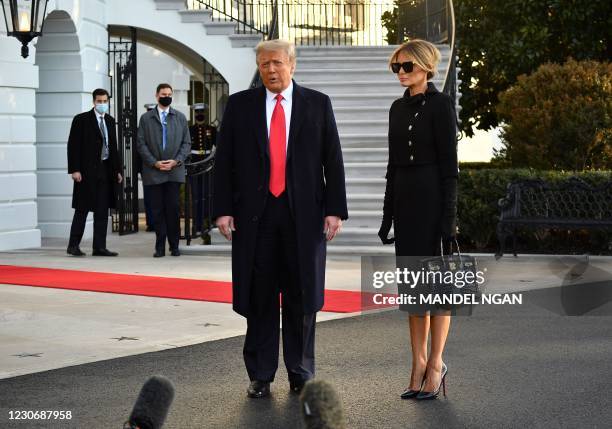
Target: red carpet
337, 301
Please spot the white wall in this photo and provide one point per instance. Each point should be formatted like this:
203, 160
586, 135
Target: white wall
18, 213
155, 67
236, 65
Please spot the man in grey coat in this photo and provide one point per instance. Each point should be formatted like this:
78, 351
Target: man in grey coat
163, 144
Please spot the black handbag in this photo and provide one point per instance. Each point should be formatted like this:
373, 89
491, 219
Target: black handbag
454, 273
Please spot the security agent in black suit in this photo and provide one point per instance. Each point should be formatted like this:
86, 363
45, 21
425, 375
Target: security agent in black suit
279, 196
93, 163
203, 138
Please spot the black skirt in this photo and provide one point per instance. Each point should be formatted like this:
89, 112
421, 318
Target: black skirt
417, 214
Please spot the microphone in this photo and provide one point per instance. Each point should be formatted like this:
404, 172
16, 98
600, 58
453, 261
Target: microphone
321, 406
152, 405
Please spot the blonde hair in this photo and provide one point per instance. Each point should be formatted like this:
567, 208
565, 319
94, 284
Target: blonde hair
423, 53
276, 45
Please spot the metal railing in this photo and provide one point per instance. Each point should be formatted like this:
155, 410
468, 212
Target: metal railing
213, 90
318, 22
424, 19
434, 21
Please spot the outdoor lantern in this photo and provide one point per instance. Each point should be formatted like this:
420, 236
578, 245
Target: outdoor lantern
24, 20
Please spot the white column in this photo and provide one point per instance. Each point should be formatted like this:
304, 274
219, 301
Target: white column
18, 213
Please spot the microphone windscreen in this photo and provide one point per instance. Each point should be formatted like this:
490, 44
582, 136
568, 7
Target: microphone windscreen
153, 403
321, 406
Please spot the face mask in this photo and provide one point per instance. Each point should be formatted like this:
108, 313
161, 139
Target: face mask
102, 108
165, 101
199, 118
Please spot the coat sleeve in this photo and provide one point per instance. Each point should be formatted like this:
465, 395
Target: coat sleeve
112, 131
223, 170
445, 136
333, 167
389, 195
143, 149
185, 148
74, 146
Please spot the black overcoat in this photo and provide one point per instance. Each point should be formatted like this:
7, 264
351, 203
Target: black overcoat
315, 184
84, 156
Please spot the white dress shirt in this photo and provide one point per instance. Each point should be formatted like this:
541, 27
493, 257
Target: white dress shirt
287, 102
98, 117
159, 113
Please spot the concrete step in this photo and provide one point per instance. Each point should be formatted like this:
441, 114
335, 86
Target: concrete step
334, 64
370, 185
330, 62
378, 75
366, 126
382, 100
222, 28
169, 4
364, 140
358, 154
199, 16
365, 169
364, 218
361, 112
356, 87
359, 87
373, 74
357, 201
345, 51
352, 236
349, 236
222, 249
245, 40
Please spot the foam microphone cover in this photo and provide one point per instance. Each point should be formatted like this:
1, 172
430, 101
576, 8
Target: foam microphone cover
321, 406
153, 403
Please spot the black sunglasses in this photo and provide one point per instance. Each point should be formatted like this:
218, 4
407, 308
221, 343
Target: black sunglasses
407, 66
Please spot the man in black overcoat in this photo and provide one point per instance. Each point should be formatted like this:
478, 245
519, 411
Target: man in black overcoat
279, 196
93, 163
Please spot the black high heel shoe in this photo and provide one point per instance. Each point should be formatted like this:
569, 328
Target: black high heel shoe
435, 393
409, 393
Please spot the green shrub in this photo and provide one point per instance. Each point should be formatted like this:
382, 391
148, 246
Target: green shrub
559, 117
478, 213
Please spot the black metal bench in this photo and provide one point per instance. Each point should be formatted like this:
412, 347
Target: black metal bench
570, 204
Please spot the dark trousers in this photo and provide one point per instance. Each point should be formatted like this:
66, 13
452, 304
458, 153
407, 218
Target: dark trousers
146, 196
276, 271
165, 208
100, 214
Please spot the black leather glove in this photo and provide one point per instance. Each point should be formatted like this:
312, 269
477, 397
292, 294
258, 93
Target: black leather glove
383, 232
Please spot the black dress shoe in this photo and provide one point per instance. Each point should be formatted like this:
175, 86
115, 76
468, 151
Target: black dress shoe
433, 395
103, 252
409, 393
296, 386
159, 254
175, 252
258, 389
74, 251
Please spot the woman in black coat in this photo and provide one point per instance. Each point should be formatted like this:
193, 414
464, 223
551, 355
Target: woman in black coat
421, 198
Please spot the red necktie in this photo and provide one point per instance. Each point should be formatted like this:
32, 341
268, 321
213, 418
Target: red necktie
278, 150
